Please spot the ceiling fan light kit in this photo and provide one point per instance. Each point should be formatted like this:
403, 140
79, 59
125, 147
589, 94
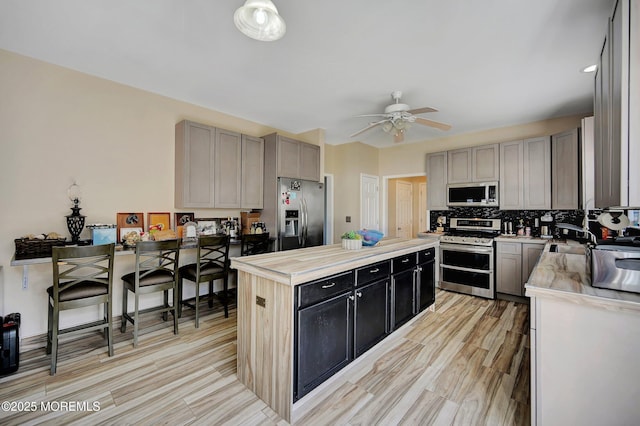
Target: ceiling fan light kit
259, 19
397, 118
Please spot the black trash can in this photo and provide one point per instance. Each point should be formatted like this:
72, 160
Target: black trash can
10, 344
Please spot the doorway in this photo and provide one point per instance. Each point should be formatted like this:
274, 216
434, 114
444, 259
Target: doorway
418, 211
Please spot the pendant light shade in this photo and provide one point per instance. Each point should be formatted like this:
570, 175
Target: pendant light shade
259, 20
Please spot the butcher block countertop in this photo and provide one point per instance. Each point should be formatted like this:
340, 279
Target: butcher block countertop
294, 267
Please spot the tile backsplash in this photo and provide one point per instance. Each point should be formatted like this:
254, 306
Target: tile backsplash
575, 217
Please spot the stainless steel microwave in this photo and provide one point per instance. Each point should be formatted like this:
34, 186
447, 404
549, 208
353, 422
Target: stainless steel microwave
478, 194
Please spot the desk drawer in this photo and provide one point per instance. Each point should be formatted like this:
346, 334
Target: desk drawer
317, 291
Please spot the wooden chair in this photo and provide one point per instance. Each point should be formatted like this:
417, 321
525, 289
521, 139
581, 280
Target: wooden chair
156, 270
82, 276
212, 264
255, 244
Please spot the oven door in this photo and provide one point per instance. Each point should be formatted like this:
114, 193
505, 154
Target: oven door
467, 269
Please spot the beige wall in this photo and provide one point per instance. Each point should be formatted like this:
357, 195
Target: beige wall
58, 126
346, 163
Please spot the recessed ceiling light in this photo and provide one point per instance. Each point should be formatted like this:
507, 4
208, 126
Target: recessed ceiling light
590, 68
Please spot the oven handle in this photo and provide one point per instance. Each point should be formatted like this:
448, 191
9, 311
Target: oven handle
460, 268
467, 248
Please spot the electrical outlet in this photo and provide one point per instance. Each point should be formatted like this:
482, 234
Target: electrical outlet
348, 219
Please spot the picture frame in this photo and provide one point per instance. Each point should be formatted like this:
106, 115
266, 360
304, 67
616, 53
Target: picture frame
179, 219
128, 221
208, 225
161, 219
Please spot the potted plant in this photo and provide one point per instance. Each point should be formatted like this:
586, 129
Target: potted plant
351, 240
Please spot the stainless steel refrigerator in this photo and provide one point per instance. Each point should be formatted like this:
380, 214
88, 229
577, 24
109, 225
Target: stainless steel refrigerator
296, 214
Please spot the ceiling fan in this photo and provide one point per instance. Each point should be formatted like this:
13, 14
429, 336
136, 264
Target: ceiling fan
397, 117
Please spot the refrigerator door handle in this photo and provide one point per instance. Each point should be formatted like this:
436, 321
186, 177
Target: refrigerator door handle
305, 218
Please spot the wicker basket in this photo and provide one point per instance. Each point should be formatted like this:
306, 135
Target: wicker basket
29, 249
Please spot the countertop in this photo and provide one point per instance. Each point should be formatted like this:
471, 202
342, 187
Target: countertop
567, 276
294, 267
521, 239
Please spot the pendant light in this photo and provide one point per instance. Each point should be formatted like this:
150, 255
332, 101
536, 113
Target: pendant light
259, 20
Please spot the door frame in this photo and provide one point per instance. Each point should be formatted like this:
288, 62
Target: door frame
328, 208
384, 216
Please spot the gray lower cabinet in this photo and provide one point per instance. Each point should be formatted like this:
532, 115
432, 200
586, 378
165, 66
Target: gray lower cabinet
514, 263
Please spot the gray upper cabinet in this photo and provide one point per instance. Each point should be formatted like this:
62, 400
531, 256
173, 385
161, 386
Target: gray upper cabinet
616, 108
459, 166
227, 169
525, 174
511, 176
437, 181
485, 161
537, 173
476, 164
217, 168
194, 156
252, 172
565, 172
309, 162
295, 159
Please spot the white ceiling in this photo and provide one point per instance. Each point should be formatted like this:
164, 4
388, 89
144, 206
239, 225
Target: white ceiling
482, 64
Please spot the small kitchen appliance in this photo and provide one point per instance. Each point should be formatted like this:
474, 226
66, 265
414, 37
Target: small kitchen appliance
615, 264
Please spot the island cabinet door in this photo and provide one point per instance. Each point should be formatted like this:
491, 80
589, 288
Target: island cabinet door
323, 342
371, 314
403, 289
425, 287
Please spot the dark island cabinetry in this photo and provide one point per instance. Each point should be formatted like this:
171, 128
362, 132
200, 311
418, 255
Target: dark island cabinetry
338, 318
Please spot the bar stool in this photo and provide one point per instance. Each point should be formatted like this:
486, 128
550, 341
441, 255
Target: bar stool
255, 244
212, 264
82, 276
156, 270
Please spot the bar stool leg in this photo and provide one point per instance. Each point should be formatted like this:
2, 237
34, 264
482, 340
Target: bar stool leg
123, 323
135, 319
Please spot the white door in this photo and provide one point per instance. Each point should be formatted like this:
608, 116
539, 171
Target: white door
369, 202
423, 225
404, 209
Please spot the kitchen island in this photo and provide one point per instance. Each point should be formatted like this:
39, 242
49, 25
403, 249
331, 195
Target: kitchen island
585, 344
323, 306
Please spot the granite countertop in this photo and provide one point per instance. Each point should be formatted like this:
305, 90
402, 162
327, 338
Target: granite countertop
294, 267
566, 275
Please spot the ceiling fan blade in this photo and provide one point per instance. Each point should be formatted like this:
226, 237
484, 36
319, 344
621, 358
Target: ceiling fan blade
370, 126
432, 123
422, 110
373, 115
399, 136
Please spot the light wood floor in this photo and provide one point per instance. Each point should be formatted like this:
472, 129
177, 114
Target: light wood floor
465, 363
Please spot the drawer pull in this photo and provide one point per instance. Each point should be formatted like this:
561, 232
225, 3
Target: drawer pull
359, 294
373, 271
329, 285
405, 260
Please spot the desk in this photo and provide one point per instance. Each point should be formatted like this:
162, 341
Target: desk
120, 251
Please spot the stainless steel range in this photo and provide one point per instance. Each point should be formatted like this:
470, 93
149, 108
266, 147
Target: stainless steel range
467, 256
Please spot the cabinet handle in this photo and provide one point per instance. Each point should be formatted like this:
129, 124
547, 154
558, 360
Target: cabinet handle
359, 294
352, 297
373, 271
329, 285
419, 269
405, 260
